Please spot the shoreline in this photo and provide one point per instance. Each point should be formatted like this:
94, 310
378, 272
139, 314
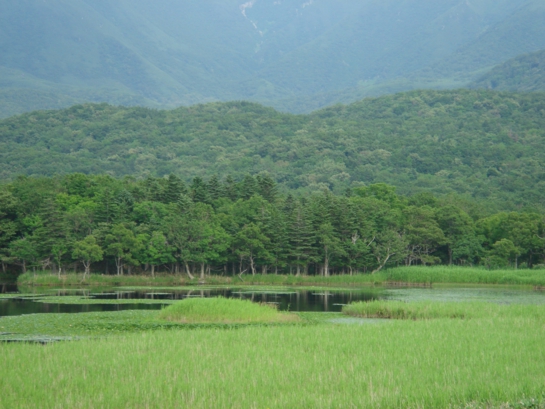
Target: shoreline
401, 277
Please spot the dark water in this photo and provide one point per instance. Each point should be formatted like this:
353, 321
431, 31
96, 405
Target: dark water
286, 300
21, 307
317, 301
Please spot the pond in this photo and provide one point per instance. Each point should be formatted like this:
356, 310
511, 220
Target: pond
287, 299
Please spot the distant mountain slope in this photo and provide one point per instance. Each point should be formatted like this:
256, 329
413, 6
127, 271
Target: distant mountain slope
294, 55
523, 73
476, 142
523, 31
504, 35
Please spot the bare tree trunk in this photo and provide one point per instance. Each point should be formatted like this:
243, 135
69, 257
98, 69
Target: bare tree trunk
202, 271
86, 268
264, 269
381, 266
153, 270
252, 266
119, 266
188, 272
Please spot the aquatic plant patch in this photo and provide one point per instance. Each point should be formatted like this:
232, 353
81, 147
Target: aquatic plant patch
80, 300
223, 310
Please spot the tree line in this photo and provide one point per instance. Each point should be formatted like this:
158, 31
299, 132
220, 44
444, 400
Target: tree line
100, 224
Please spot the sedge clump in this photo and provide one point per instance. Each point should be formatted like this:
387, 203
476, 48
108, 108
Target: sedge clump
225, 311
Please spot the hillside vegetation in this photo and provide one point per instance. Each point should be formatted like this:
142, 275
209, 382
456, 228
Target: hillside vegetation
477, 143
523, 73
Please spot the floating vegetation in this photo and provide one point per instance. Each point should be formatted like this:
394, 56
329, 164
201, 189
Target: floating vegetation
77, 300
9, 296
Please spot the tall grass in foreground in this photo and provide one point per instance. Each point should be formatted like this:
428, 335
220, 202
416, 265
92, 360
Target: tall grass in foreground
465, 275
401, 364
223, 310
423, 310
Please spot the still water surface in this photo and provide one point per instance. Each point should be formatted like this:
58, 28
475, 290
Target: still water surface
287, 299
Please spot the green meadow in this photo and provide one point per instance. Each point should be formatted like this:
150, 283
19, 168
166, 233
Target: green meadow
421, 355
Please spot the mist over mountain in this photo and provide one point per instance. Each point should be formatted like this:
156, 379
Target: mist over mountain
295, 55
523, 73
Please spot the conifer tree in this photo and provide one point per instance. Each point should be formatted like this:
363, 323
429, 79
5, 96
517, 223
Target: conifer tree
199, 191
214, 188
230, 188
248, 187
174, 188
267, 187
301, 238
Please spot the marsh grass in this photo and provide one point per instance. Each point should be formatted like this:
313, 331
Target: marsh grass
47, 279
425, 310
465, 275
223, 310
416, 275
442, 363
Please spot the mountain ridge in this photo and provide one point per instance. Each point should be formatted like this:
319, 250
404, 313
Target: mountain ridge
480, 143
282, 54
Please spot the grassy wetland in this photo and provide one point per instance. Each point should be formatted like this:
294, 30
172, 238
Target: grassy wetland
445, 347
485, 361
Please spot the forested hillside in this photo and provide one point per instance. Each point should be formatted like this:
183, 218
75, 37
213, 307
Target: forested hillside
230, 227
477, 143
524, 73
294, 55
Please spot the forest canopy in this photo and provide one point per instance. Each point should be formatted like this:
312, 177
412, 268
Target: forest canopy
479, 144
222, 226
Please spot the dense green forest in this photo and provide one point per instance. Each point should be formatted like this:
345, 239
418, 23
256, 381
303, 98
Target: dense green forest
228, 227
481, 145
524, 73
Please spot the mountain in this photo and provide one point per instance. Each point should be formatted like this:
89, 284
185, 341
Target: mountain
478, 143
523, 73
295, 55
